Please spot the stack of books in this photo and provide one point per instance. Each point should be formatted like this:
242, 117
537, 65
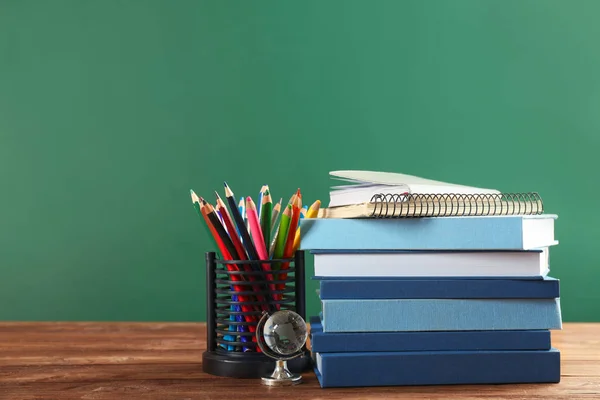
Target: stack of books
428, 283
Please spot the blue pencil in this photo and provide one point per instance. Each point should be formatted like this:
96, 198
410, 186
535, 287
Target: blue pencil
302, 214
232, 328
242, 210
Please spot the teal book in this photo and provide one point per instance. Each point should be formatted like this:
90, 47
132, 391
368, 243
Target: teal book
518, 232
396, 315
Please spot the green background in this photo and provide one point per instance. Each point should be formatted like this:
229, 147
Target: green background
110, 111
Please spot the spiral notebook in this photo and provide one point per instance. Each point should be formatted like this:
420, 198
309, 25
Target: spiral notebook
371, 194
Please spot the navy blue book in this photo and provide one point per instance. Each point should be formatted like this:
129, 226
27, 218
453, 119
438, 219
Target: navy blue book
425, 341
437, 368
397, 288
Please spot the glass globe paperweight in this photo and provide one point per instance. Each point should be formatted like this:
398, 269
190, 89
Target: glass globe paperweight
281, 336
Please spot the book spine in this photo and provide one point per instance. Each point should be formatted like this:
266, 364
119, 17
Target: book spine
428, 341
388, 315
439, 289
437, 368
457, 233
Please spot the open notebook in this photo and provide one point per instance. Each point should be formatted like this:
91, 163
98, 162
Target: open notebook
371, 194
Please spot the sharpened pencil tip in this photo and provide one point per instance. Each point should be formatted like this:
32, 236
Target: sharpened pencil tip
217, 194
228, 192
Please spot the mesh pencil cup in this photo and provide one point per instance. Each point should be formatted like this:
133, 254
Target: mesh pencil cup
237, 295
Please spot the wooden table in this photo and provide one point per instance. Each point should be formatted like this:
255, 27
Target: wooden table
163, 361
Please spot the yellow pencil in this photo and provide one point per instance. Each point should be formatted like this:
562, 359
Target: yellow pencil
312, 212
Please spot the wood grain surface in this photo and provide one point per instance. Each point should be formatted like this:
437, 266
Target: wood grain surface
96, 360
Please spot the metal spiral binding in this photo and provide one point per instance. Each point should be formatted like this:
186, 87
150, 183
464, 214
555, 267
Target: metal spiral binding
411, 205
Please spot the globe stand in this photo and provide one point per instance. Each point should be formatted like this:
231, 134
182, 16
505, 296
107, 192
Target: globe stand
281, 375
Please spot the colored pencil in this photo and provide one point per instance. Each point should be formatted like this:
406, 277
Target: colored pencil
275, 213
288, 251
273, 243
242, 210
296, 203
265, 218
196, 203
223, 215
250, 250
303, 212
312, 212
214, 219
274, 227
276, 236
284, 225
261, 194
226, 217
259, 240
241, 328
232, 328
291, 234
209, 228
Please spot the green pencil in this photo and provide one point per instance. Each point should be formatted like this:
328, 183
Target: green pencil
284, 225
265, 217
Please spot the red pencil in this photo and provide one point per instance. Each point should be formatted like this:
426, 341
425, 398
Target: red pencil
206, 209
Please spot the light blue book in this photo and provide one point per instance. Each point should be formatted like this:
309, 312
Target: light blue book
391, 315
525, 232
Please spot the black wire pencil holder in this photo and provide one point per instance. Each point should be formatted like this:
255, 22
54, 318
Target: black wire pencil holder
237, 294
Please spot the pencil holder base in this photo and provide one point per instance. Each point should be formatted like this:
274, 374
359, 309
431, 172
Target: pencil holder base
246, 365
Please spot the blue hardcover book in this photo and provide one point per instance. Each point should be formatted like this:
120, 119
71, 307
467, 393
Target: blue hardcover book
425, 341
394, 315
441, 233
432, 288
437, 368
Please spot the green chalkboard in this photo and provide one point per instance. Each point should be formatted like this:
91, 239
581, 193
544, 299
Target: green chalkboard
110, 111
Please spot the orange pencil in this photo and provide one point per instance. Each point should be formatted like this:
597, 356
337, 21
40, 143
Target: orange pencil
312, 212
291, 234
288, 251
